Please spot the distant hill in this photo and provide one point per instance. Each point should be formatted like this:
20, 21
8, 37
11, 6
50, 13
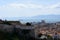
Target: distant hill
47, 18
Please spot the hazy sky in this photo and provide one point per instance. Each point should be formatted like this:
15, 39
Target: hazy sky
28, 8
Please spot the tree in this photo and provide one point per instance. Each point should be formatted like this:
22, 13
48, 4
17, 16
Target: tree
28, 24
6, 22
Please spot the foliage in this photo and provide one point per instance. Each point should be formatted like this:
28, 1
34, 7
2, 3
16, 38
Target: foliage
28, 24
14, 36
6, 22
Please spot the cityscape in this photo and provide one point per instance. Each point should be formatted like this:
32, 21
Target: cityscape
29, 31
29, 19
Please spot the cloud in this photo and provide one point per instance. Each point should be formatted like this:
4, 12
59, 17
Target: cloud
20, 5
54, 6
25, 10
30, 5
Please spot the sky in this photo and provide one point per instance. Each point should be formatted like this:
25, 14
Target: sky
28, 8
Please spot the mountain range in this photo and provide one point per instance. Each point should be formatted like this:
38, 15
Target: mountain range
47, 18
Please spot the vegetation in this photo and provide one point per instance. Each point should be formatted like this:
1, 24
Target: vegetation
28, 24
16, 36
6, 22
